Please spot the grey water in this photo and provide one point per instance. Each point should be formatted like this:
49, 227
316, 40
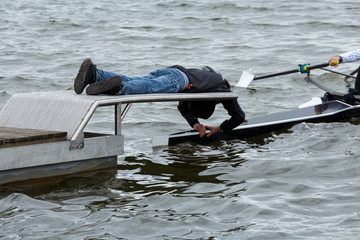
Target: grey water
302, 183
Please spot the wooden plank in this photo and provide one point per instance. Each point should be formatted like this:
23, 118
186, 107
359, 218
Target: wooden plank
11, 137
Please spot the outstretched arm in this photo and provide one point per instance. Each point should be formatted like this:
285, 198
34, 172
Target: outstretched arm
237, 117
351, 56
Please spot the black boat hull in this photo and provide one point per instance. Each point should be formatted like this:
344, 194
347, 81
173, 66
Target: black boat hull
332, 111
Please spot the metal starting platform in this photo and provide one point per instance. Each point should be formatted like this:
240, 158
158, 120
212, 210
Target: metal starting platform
42, 133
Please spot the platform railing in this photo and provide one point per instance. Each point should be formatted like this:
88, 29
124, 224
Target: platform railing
141, 98
70, 112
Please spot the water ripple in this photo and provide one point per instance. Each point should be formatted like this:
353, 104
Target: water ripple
300, 183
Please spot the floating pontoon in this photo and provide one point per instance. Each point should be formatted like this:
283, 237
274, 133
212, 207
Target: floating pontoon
42, 134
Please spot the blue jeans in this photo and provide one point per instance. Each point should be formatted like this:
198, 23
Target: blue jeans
167, 80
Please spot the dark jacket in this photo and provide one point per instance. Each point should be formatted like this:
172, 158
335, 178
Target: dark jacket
203, 80
207, 80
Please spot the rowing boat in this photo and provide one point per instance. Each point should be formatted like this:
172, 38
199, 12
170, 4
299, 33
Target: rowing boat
331, 108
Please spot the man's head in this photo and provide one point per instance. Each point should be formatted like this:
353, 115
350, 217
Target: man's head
202, 109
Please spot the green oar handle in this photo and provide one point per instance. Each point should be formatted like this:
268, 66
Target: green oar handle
306, 68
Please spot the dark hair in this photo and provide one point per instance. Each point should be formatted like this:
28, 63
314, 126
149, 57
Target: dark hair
227, 83
202, 109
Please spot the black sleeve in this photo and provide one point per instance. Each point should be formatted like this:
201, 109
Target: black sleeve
184, 109
236, 113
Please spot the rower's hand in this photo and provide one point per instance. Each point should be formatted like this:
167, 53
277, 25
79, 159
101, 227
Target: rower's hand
212, 130
200, 128
334, 61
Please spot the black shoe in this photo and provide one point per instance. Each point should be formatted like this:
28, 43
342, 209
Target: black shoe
86, 76
349, 98
111, 87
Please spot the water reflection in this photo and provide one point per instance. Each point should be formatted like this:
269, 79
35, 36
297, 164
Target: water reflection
169, 170
176, 169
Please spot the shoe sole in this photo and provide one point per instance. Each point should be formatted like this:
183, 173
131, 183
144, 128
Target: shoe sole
79, 83
114, 85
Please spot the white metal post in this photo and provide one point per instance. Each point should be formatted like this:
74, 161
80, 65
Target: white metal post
118, 119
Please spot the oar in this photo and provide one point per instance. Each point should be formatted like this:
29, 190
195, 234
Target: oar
353, 72
344, 74
247, 78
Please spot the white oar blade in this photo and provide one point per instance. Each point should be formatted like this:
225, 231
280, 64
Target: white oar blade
245, 79
158, 141
314, 101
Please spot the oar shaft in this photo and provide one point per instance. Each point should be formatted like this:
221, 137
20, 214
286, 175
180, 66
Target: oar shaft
344, 74
276, 74
309, 67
